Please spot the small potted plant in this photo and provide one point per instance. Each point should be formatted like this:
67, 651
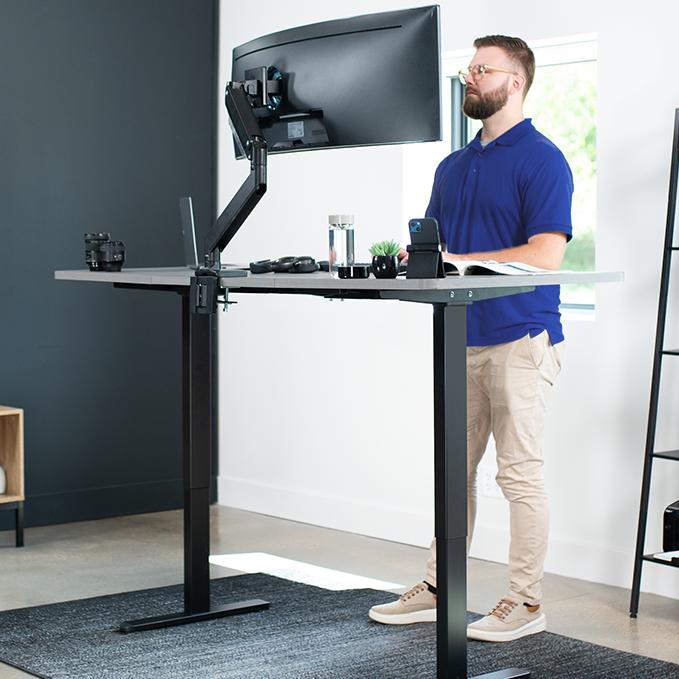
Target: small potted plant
385, 259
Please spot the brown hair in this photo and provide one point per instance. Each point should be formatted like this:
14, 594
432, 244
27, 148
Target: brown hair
517, 50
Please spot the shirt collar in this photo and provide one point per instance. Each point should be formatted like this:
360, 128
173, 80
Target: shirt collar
510, 137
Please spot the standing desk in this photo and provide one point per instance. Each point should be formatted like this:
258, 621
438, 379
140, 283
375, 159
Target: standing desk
449, 298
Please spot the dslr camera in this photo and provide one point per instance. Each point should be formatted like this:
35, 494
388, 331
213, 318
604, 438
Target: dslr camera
102, 253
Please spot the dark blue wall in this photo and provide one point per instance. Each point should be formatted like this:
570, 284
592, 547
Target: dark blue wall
107, 117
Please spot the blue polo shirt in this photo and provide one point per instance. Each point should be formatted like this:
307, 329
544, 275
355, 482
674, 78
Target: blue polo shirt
497, 197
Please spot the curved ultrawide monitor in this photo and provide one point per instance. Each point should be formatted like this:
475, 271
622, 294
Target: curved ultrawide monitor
376, 78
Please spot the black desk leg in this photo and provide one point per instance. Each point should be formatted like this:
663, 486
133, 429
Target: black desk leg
197, 348
450, 491
450, 488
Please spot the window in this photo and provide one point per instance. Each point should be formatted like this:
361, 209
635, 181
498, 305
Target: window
562, 103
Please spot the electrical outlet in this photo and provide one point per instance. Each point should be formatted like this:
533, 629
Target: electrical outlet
489, 487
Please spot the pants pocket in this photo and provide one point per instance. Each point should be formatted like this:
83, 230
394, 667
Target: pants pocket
545, 356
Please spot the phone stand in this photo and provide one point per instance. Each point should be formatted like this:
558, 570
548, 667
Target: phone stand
425, 261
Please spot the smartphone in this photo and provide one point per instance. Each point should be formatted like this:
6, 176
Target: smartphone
424, 231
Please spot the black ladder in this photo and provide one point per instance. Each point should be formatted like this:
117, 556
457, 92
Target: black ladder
660, 351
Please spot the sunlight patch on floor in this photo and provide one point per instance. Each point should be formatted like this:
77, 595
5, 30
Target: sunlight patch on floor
298, 571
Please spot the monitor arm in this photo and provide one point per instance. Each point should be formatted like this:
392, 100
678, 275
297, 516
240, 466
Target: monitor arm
250, 139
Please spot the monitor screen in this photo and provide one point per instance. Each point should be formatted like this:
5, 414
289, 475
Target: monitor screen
375, 78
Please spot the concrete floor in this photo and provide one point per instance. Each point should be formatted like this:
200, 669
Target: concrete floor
79, 560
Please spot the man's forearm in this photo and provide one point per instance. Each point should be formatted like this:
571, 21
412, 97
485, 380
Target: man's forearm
534, 254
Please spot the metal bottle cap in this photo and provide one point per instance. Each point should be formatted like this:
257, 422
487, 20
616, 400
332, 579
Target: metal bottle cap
336, 220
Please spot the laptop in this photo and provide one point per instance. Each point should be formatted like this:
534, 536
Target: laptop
189, 240
188, 232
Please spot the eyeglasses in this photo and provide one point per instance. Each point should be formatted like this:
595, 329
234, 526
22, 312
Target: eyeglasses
478, 72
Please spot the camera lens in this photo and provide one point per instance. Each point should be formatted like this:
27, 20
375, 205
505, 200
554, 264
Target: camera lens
112, 255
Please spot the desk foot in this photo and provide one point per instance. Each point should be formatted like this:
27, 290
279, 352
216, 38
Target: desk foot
184, 618
510, 673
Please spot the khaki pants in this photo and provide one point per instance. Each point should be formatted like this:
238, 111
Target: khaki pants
507, 386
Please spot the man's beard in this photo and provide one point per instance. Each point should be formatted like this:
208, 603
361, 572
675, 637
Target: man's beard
483, 106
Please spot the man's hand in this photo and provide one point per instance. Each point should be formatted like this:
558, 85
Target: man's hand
403, 256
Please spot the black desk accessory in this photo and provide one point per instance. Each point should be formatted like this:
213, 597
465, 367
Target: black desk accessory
304, 264
102, 253
253, 104
354, 271
250, 103
424, 252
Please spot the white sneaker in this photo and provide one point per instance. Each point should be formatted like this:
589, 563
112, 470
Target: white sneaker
510, 619
418, 604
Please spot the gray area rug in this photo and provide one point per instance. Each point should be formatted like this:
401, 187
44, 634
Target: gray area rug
308, 633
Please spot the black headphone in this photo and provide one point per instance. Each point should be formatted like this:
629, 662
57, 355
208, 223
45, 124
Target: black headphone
303, 264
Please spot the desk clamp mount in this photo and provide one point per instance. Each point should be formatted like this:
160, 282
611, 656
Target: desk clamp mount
204, 293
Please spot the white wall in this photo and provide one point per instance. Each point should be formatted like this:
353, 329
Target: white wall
326, 407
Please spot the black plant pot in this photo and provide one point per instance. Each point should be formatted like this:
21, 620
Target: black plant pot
385, 266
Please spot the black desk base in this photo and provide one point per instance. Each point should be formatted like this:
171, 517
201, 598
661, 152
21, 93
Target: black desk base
199, 418
175, 619
450, 472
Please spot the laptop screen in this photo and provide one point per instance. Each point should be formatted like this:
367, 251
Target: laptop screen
188, 232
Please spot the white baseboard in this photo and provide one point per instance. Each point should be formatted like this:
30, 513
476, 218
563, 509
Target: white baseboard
338, 512
590, 562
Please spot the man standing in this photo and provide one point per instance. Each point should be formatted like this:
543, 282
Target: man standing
505, 196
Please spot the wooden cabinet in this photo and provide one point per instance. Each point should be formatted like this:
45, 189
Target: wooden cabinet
12, 461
